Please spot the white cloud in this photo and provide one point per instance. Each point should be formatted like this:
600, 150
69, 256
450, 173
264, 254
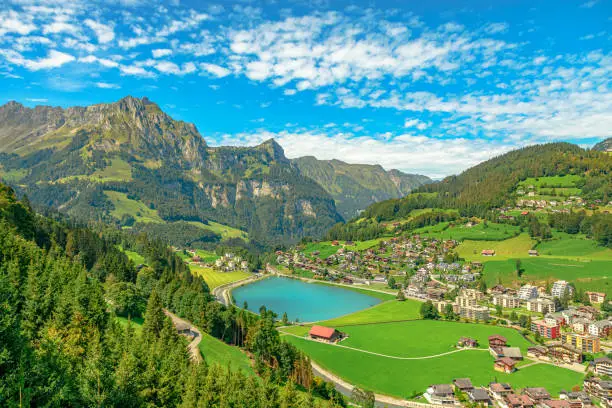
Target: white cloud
13, 22
415, 123
167, 67
215, 70
107, 85
137, 71
104, 32
54, 59
38, 100
161, 52
102, 61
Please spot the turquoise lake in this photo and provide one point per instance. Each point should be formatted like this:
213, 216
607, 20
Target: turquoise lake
307, 302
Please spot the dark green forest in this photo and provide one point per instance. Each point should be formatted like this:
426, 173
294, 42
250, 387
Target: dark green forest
61, 287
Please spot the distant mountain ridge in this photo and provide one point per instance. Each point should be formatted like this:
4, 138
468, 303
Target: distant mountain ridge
355, 186
129, 161
604, 146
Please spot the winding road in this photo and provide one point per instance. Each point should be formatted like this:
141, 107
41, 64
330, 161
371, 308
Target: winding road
193, 349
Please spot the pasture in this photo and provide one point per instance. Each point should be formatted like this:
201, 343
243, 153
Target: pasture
215, 278
489, 231
516, 247
225, 231
586, 274
126, 206
402, 378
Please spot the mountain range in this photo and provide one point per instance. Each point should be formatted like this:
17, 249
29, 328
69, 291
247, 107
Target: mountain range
130, 163
604, 146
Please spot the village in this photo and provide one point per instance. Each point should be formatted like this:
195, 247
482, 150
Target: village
563, 333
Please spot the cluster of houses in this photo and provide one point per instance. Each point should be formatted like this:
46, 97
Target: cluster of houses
230, 263
595, 392
394, 256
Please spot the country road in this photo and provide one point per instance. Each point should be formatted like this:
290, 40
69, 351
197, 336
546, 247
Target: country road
193, 349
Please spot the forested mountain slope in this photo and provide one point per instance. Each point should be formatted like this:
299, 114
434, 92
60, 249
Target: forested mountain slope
61, 290
130, 163
356, 186
493, 183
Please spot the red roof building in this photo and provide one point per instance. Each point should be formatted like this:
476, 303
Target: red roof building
497, 340
324, 333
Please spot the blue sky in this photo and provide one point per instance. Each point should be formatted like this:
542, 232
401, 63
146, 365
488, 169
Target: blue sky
431, 87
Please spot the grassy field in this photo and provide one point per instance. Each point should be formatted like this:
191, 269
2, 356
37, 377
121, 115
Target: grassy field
383, 312
136, 323
490, 231
207, 256
588, 275
225, 231
401, 378
119, 170
553, 181
573, 246
325, 249
423, 337
215, 351
516, 247
215, 278
124, 205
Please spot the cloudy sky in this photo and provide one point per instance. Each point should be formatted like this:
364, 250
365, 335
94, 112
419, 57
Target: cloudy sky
430, 87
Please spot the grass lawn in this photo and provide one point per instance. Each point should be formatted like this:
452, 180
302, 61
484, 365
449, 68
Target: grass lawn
587, 275
363, 245
402, 378
135, 321
516, 247
137, 209
215, 351
216, 278
423, 337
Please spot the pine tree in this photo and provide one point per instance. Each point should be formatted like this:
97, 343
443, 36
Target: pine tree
154, 317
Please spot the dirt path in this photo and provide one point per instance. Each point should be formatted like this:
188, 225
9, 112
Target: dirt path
222, 293
193, 349
386, 355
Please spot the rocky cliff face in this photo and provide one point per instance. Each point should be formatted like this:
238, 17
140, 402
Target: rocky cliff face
74, 158
355, 186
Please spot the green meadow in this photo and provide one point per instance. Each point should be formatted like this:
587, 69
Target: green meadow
215, 351
516, 247
481, 231
402, 378
214, 278
126, 206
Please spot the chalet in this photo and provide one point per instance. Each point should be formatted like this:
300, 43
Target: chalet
349, 243
479, 396
488, 252
467, 342
498, 290
500, 390
555, 404
600, 389
497, 340
600, 328
518, 401
505, 365
441, 394
596, 297
463, 384
539, 352
196, 258
577, 399
564, 352
512, 352
184, 328
532, 252
324, 333
602, 366
537, 394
